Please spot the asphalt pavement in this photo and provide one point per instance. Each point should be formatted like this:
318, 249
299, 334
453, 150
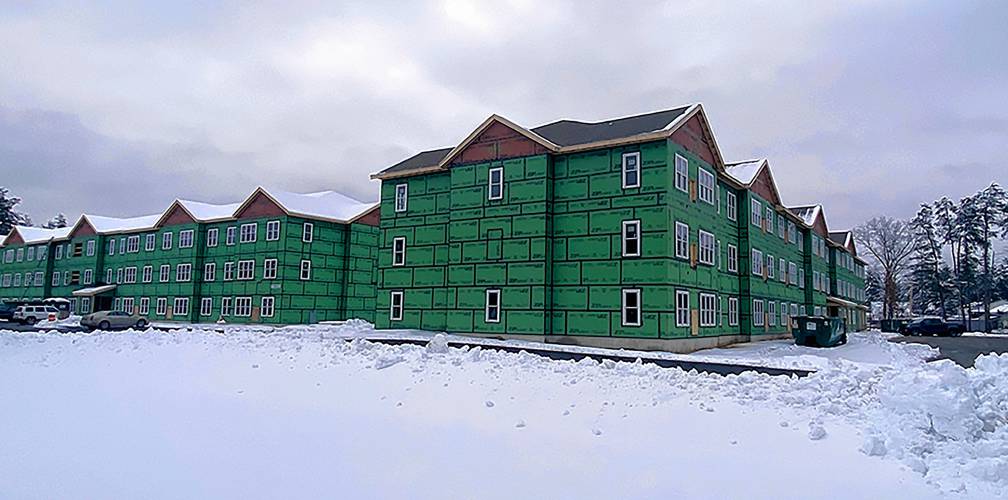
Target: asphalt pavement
963, 350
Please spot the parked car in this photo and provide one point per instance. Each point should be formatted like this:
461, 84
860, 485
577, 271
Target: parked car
7, 311
32, 314
932, 326
108, 320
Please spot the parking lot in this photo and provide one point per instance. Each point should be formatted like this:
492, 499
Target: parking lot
963, 350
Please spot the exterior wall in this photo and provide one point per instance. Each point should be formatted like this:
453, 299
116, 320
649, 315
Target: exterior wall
843, 269
71, 264
769, 286
19, 275
815, 297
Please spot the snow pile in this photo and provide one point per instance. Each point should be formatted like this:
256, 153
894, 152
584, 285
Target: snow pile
68, 322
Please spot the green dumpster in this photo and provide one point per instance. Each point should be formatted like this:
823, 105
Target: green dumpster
818, 331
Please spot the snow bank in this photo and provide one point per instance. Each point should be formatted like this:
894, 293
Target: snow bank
68, 322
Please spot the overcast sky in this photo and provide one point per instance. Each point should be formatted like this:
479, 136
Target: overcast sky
116, 109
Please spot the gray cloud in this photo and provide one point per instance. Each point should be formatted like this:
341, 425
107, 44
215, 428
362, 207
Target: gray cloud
867, 107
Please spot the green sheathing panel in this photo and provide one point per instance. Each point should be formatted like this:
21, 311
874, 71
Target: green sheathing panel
842, 270
814, 298
20, 273
771, 286
70, 262
361, 272
424, 276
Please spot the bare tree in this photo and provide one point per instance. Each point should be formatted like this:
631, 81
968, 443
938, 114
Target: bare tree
890, 243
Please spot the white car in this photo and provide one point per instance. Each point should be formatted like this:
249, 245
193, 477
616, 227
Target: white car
32, 314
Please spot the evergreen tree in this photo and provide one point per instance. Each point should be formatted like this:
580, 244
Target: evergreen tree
990, 214
8, 216
58, 221
926, 273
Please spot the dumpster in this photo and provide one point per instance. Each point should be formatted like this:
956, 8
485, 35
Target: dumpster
893, 325
818, 331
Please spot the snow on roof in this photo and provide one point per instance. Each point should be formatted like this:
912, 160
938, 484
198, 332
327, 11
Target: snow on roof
39, 234
745, 171
104, 224
807, 213
322, 204
208, 211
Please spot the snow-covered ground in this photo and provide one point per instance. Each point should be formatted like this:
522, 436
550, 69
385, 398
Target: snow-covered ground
302, 412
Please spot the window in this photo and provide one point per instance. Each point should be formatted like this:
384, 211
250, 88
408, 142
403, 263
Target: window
756, 214
9, 256
148, 274
206, 306
66, 278
396, 306
794, 309
144, 307
185, 238
815, 280
305, 270
757, 316
400, 198
209, 271
731, 205
706, 248
631, 238
7, 280
770, 266
111, 249
17, 279
308, 232
269, 269
780, 226
20, 254
246, 269
782, 271
31, 253
133, 244
181, 306
492, 306
273, 230
792, 273
681, 240
127, 305
228, 271
769, 219
248, 232
732, 258
708, 309
229, 236
130, 275
165, 273
631, 307
122, 247
791, 233
90, 248
495, 184
85, 305
183, 272
266, 307
706, 186
801, 277
39, 278
89, 276
166, 241
150, 242
681, 173
225, 306
211, 237
108, 276
119, 275
732, 311
771, 313
631, 170
42, 253
757, 262
682, 312
243, 306
398, 251
162, 306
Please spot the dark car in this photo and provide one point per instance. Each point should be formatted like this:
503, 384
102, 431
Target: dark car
932, 326
7, 311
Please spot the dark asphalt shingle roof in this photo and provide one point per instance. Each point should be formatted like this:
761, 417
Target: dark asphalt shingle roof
419, 160
570, 132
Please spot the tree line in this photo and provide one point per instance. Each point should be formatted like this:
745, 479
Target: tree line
944, 261
10, 216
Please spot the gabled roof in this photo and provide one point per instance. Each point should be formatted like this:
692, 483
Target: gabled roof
113, 225
568, 136
31, 235
200, 211
327, 205
748, 171
807, 213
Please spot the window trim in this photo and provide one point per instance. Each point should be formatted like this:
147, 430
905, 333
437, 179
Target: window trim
733, 317
495, 292
700, 185
624, 309
624, 170
731, 205
404, 187
307, 232
636, 223
166, 240
700, 247
499, 184
302, 270
273, 225
685, 254
678, 308
732, 258
712, 311
399, 255
263, 309
685, 173
393, 295
213, 234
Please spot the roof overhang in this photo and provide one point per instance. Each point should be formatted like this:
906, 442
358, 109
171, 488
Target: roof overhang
845, 303
92, 291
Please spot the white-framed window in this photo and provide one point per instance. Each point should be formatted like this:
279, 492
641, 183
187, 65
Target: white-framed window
67, 275
144, 307
147, 275
757, 316
130, 275
305, 270
756, 213
246, 269
228, 271
495, 183
631, 307
206, 306
183, 272
732, 258
185, 238
119, 275
682, 311
42, 253
127, 305
90, 248
7, 280
782, 270
731, 205
631, 170
791, 229
165, 273
757, 262
401, 192
266, 307
732, 311
706, 248
705, 186
801, 277
31, 253
708, 309
111, 249
815, 280
229, 236
272, 230
631, 238
181, 306
132, 244
248, 232
211, 237
20, 254
161, 306
243, 306
792, 273
307, 232
396, 306
166, 241
780, 227
40, 278
85, 305
771, 313
770, 266
493, 306
681, 240
209, 271
88, 276
225, 306
149, 241
794, 310
17, 279
122, 246
769, 219
681, 173
269, 269
108, 276
399, 251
